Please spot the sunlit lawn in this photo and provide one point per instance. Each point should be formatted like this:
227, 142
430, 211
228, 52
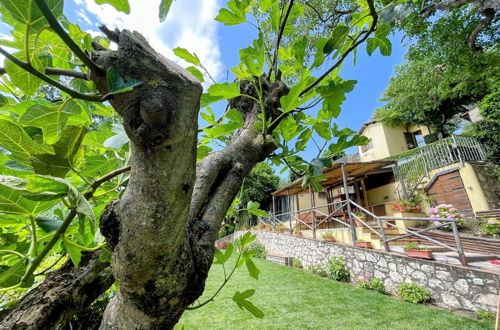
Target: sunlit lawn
293, 299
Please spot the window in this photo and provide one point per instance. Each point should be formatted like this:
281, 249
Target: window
367, 147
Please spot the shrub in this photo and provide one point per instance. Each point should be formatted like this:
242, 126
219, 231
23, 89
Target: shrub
484, 315
319, 270
491, 227
258, 249
413, 293
374, 284
296, 263
337, 269
446, 211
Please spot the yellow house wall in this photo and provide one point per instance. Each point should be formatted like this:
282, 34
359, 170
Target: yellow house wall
305, 202
378, 195
473, 188
375, 132
341, 235
395, 140
386, 140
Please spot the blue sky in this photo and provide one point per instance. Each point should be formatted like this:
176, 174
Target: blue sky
190, 25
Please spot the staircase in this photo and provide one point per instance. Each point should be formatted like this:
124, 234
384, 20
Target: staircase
365, 234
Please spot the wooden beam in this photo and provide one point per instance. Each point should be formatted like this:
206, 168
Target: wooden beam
351, 221
365, 194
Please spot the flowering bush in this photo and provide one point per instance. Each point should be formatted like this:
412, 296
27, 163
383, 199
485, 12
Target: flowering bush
491, 227
446, 211
406, 206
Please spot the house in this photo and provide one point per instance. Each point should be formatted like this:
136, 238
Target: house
396, 164
387, 141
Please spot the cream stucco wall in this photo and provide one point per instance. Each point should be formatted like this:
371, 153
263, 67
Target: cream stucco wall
305, 202
386, 140
382, 194
395, 140
375, 132
477, 198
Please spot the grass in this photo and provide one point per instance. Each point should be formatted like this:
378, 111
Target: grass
294, 299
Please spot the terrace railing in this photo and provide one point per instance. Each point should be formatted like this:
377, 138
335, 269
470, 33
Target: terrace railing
415, 164
377, 226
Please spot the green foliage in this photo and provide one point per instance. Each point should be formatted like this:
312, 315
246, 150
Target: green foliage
296, 263
164, 9
258, 250
327, 234
441, 76
337, 269
490, 227
257, 188
243, 246
373, 284
487, 130
319, 270
484, 315
413, 293
121, 5
54, 147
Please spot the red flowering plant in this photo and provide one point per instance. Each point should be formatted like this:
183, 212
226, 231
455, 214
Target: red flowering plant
403, 205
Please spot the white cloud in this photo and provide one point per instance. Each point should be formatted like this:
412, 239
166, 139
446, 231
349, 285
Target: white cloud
190, 24
84, 17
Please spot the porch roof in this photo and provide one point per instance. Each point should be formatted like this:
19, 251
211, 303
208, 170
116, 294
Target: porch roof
334, 175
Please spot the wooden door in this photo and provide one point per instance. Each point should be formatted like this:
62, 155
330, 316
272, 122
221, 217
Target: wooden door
449, 188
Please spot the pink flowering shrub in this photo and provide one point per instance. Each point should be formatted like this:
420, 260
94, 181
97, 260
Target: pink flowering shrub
446, 211
406, 206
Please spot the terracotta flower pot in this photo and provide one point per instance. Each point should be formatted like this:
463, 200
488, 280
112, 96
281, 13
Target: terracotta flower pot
366, 245
298, 234
330, 239
424, 254
222, 245
359, 223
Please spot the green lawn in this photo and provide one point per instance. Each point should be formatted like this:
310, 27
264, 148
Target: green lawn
293, 299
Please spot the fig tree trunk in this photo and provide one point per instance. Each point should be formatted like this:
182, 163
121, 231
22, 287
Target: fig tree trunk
163, 229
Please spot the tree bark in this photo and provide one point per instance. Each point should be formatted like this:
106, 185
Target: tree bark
162, 230
64, 292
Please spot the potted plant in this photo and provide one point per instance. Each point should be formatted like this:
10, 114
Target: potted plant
360, 215
261, 226
363, 244
281, 228
297, 232
328, 236
269, 227
416, 251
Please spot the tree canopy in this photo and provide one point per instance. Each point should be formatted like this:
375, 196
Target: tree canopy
444, 73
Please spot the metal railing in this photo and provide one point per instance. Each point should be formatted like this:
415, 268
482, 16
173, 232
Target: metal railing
381, 222
415, 164
317, 216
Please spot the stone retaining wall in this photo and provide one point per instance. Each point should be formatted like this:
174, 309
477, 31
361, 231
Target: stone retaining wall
451, 286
